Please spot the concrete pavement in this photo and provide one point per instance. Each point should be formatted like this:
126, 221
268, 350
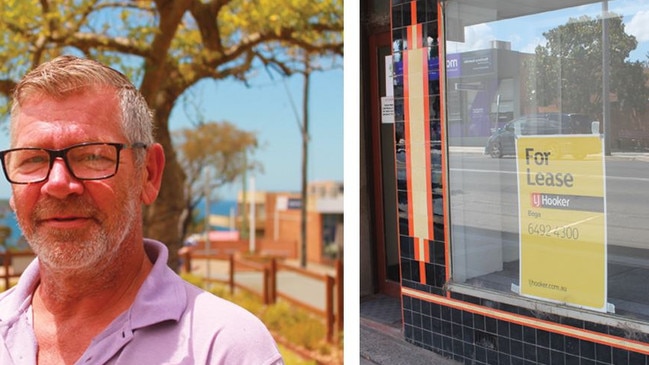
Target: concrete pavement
383, 346
381, 339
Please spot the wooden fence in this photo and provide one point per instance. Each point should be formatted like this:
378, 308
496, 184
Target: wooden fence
264, 284
14, 263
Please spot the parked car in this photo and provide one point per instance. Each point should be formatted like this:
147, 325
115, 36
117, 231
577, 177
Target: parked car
502, 141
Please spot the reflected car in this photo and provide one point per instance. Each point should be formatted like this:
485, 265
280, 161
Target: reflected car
502, 141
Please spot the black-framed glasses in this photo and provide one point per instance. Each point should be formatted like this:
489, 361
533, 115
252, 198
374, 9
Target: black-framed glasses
86, 161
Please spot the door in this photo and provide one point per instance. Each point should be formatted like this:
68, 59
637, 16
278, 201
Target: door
385, 194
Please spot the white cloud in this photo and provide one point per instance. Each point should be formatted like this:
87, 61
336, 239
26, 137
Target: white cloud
475, 37
480, 36
531, 46
638, 25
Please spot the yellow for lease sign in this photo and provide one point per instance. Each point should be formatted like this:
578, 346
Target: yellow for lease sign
562, 215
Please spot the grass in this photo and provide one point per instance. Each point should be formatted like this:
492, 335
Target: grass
291, 358
289, 324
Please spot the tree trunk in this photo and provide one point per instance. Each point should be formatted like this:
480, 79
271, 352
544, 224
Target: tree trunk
162, 219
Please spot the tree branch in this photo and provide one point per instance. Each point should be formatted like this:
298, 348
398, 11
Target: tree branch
206, 15
93, 40
7, 86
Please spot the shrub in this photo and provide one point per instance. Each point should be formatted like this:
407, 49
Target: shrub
192, 279
295, 325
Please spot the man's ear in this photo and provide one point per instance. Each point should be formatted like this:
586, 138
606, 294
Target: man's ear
155, 163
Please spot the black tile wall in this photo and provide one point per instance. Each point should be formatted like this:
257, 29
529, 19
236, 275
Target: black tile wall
407, 247
435, 270
477, 339
397, 16
461, 335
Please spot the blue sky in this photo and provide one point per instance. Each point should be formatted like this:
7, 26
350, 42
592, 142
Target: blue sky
265, 108
529, 30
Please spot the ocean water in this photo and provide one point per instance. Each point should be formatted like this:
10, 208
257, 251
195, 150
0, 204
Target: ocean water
8, 219
222, 207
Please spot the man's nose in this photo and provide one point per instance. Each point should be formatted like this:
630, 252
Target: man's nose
61, 182
59, 170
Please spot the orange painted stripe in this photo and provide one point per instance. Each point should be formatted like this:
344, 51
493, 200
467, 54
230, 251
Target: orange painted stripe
422, 272
443, 124
426, 251
413, 14
422, 249
417, 152
429, 165
582, 334
411, 69
415, 248
411, 33
406, 117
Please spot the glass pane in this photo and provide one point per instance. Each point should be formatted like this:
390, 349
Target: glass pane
533, 71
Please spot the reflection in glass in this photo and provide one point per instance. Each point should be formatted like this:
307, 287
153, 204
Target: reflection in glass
517, 71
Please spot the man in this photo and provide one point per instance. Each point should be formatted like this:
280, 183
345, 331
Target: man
81, 164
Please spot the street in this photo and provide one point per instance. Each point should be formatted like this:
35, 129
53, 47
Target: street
485, 233
484, 195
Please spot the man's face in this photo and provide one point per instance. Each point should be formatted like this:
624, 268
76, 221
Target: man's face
69, 223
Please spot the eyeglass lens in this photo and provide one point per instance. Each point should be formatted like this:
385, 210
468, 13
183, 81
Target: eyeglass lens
92, 161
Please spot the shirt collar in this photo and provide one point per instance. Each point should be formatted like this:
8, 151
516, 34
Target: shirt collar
161, 297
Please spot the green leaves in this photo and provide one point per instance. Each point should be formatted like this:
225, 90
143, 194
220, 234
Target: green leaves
569, 66
219, 147
166, 47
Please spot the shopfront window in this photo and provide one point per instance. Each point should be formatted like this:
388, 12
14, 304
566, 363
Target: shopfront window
547, 120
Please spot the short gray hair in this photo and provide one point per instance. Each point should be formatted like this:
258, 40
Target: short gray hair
66, 75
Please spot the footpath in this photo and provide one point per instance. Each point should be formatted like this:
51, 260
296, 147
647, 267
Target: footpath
381, 338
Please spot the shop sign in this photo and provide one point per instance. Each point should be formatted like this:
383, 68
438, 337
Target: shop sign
453, 68
562, 217
387, 109
387, 101
478, 62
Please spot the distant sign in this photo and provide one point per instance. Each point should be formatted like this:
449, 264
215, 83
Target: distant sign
561, 187
294, 203
477, 62
476, 86
284, 203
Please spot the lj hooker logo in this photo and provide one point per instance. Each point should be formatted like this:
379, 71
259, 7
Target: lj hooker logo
571, 202
540, 200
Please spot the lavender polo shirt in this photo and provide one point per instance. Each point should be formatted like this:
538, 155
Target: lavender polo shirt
170, 322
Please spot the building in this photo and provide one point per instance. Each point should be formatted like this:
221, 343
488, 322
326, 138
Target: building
538, 258
324, 220
278, 220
